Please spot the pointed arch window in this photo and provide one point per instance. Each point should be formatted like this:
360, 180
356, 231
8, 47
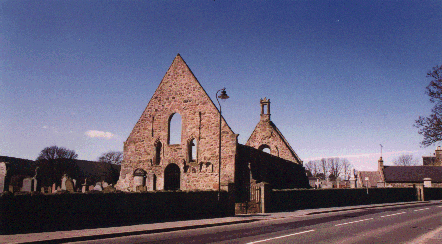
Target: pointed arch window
174, 135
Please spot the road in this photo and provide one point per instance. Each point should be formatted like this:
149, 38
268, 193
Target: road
381, 225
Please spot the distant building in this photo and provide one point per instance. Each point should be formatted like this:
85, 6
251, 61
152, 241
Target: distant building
402, 176
435, 160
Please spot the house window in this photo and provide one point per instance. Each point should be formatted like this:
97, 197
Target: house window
174, 136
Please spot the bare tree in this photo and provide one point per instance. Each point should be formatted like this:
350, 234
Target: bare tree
431, 127
54, 162
111, 157
54, 152
313, 167
335, 167
323, 167
405, 160
346, 168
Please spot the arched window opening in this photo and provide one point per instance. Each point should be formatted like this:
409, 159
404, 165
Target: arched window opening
172, 177
157, 158
192, 150
174, 136
265, 148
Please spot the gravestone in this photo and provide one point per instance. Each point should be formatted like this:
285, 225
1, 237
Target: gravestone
63, 182
27, 185
75, 182
69, 185
2, 176
105, 184
58, 188
98, 188
34, 183
54, 188
83, 188
91, 188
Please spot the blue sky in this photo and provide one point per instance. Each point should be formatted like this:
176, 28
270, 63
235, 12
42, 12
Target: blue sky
342, 76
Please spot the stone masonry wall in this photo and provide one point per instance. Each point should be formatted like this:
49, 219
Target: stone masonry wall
266, 133
179, 92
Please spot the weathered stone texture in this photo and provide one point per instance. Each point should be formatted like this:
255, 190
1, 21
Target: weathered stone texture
2, 176
179, 92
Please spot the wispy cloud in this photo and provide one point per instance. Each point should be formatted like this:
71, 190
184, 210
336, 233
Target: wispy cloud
99, 134
366, 155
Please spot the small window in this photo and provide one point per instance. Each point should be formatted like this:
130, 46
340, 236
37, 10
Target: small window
192, 150
157, 158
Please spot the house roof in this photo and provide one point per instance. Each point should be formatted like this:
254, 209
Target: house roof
412, 173
373, 177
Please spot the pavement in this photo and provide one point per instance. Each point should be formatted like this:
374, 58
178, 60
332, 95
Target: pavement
434, 236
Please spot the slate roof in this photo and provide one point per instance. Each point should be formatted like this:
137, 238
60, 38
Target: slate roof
413, 174
373, 178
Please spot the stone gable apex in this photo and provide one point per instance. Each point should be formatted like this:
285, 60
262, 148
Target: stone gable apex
266, 133
179, 75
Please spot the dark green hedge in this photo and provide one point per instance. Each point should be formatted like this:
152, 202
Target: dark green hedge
285, 200
26, 213
431, 193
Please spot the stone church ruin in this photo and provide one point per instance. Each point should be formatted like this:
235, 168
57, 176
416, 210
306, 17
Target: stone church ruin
152, 161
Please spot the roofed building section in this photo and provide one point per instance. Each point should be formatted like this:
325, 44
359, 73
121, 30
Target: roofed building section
435, 160
374, 177
412, 174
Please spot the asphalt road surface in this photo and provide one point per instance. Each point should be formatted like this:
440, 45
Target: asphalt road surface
381, 225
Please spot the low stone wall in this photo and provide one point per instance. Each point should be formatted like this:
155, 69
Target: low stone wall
285, 200
26, 213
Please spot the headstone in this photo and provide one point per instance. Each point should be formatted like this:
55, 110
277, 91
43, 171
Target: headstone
54, 188
63, 182
69, 185
109, 189
83, 188
34, 183
2, 176
138, 181
75, 182
105, 184
27, 183
58, 188
91, 188
98, 188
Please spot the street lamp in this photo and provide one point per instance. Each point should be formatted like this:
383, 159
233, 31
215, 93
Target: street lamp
223, 96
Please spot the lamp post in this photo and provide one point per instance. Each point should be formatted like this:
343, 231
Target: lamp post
223, 96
